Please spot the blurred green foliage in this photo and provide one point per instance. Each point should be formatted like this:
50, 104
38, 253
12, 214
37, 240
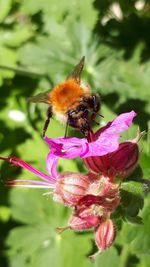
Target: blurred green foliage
40, 42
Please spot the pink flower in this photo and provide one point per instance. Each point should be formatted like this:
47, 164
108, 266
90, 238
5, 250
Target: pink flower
107, 196
70, 188
104, 141
92, 196
67, 188
120, 163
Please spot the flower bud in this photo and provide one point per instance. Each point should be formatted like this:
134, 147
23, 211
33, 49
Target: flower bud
108, 203
84, 220
120, 163
105, 234
101, 186
103, 193
125, 159
70, 187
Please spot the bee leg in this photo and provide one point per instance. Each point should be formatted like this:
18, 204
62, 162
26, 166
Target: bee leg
49, 115
93, 116
100, 115
96, 122
85, 127
85, 132
66, 128
95, 105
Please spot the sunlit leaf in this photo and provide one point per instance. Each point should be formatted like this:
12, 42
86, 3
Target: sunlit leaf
7, 58
107, 258
4, 213
40, 235
5, 6
16, 37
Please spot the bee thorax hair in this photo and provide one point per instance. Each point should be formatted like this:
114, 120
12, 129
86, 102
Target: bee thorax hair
67, 95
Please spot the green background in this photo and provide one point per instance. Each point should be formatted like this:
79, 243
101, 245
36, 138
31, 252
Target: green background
40, 43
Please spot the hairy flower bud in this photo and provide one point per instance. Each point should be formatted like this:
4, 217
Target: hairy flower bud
120, 163
70, 187
107, 203
125, 160
103, 193
105, 234
84, 220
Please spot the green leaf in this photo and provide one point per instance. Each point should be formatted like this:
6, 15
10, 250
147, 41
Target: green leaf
4, 213
40, 246
136, 188
142, 235
144, 261
17, 36
7, 58
137, 236
134, 219
131, 203
144, 162
109, 257
69, 11
39, 243
77, 40
5, 6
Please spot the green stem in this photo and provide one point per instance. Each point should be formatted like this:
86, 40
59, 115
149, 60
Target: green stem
22, 71
124, 256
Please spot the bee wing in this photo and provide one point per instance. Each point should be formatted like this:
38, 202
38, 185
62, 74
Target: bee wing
40, 98
76, 73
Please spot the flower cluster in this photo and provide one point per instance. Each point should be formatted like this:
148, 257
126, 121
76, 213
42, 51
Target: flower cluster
95, 195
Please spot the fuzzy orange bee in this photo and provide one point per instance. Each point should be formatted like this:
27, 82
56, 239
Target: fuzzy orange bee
71, 102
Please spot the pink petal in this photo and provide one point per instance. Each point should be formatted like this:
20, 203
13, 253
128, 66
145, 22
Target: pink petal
120, 124
102, 147
51, 164
105, 140
69, 147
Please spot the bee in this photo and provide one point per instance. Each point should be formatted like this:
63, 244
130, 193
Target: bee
71, 102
